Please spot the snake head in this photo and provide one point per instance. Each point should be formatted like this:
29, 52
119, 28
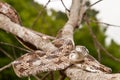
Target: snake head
78, 54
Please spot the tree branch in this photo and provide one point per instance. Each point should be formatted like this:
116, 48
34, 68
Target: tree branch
99, 45
7, 54
72, 23
75, 73
57, 58
90, 69
25, 34
6, 66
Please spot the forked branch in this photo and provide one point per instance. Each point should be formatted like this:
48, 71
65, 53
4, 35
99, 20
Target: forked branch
59, 54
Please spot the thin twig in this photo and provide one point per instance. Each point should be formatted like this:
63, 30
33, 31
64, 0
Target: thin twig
44, 35
14, 53
99, 54
109, 54
6, 66
65, 6
95, 41
51, 75
40, 12
62, 75
98, 43
8, 44
29, 78
107, 24
45, 75
95, 3
97, 49
98, 21
7, 54
36, 77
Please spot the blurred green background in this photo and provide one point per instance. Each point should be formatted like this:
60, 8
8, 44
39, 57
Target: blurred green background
50, 24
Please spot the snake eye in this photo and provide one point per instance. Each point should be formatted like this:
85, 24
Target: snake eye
73, 56
82, 49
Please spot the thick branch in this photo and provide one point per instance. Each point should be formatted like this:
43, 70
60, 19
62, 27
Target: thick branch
31, 63
88, 70
83, 9
79, 74
68, 29
77, 10
25, 34
74, 13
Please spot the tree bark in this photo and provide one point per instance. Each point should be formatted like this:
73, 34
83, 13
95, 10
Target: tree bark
26, 34
78, 74
89, 69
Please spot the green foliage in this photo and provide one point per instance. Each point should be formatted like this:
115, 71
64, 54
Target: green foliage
114, 49
50, 24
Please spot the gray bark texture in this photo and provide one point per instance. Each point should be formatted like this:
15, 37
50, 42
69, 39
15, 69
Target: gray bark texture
59, 54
